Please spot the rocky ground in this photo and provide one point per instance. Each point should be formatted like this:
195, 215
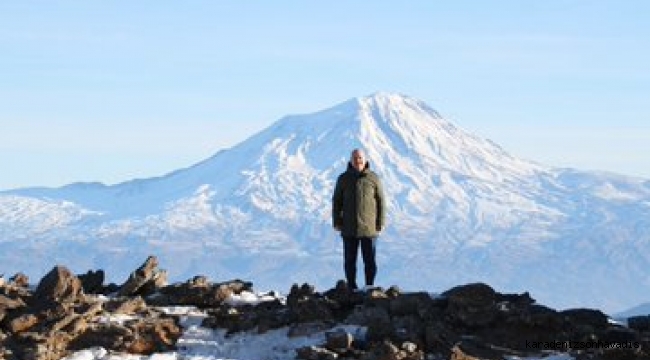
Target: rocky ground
67, 312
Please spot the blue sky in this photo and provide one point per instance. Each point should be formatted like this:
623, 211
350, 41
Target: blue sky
111, 91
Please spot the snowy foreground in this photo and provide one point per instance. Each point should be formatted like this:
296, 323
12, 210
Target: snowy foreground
199, 343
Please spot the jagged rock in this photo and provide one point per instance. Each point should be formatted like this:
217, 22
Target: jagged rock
271, 315
408, 328
59, 285
142, 336
377, 319
410, 304
300, 292
305, 305
221, 292
386, 350
59, 317
45, 333
339, 293
620, 335
393, 291
315, 353
106, 335
126, 305
22, 323
199, 281
339, 340
92, 282
145, 280
639, 323
512, 302
76, 321
475, 349
198, 292
439, 339
516, 329
263, 317
39, 346
154, 335
20, 280
8, 304
589, 321
237, 286
376, 293
228, 318
409, 347
467, 322
311, 309
471, 305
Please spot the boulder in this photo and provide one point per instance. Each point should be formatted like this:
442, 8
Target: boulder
639, 323
92, 282
145, 280
471, 306
59, 285
20, 280
338, 340
22, 323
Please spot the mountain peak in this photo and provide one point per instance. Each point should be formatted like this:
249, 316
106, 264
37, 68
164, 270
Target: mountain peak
394, 102
402, 130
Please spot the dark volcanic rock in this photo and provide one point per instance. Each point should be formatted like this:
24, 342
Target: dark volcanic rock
467, 322
92, 282
471, 306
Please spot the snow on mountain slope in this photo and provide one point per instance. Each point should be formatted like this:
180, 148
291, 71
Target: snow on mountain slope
461, 209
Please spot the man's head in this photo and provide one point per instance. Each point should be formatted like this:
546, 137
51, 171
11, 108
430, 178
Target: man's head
358, 159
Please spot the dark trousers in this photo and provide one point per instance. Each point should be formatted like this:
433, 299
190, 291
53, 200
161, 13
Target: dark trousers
350, 251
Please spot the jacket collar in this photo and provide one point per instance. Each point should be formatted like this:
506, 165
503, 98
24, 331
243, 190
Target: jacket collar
354, 170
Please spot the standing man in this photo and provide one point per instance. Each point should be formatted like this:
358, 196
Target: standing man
358, 212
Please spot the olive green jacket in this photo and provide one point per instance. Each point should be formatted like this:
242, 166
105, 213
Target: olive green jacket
358, 205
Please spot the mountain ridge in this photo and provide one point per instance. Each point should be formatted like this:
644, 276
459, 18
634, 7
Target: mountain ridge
457, 202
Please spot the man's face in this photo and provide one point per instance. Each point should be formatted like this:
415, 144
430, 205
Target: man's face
358, 160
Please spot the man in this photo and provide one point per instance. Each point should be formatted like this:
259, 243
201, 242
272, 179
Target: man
358, 212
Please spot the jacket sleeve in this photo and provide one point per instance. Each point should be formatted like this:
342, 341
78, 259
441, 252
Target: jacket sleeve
380, 200
337, 204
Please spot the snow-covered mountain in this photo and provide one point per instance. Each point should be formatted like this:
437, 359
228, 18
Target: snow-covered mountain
461, 209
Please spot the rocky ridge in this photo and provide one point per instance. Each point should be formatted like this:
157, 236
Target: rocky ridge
67, 312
